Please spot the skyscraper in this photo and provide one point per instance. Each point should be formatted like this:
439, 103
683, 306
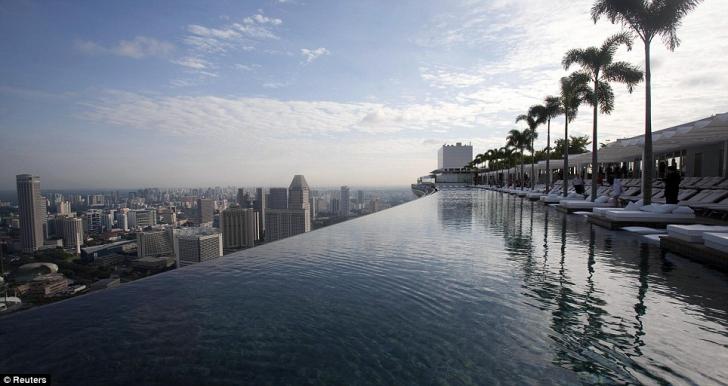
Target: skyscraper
298, 193
73, 233
239, 228
278, 198
30, 211
205, 211
260, 205
344, 204
194, 245
155, 243
282, 223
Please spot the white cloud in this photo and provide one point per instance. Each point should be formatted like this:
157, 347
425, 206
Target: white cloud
137, 48
193, 63
313, 54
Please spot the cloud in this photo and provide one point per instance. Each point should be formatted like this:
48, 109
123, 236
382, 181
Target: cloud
193, 63
137, 48
313, 54
240, 35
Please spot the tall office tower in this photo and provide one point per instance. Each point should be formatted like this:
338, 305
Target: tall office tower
205, 211
93, 220
278, 198
30, 210
344, 204
63, 207
260, 206
142, 218
321, 205
242, 201
122, 222
95, 200
107, 221
298, 193
194, 245
312, 205
155, 243
454, 156
334, 206
73, 233
282, 223
239, 228
360, 198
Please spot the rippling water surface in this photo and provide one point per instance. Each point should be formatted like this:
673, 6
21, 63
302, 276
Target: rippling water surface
461, 287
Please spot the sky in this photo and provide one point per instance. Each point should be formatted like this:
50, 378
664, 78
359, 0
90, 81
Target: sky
190, 93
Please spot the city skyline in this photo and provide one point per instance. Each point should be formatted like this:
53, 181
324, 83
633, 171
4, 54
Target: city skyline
110, 95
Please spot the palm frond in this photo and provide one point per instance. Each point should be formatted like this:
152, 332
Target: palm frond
624, 72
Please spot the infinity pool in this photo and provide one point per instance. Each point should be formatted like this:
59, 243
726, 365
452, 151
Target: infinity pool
460, 287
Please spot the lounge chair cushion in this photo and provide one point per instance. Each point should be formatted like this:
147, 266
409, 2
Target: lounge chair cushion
641, 216
693, 233
601, 200
659, 209
717, 241
632, 206
683, 210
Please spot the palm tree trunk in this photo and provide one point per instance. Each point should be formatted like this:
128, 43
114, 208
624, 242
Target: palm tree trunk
647, 162
522, 179
565, 173
533, 166
595, 167
548, 154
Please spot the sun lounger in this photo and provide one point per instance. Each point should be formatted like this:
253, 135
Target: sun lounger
693, 233
709, 182
713, 200
645, 230
683, 195
716, 241
690, 182
647, 217
653, 239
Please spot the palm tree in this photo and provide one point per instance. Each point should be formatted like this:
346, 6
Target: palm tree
648, 19
598, 63
532, 121
547, 111
519, 140
574, 90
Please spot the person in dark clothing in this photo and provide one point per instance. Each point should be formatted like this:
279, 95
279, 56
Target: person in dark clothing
672, 185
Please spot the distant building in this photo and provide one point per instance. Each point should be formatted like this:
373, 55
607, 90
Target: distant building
63, 207
334, 206
30, 209
344, 204
205, 211
93, 220
195, 245
360, 198
260, 206
122, 222
155, 243
278, 198
107, 221
454, 156
73, 233
239, 228
282, 223
298, 193
95, 200
241, 198
142, 218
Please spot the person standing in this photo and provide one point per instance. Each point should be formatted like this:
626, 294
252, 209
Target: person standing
672, 185
617, 190
578, 184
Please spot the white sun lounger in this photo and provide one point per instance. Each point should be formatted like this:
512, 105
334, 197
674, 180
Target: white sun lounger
645, 230
717, 241
638, 215
693, 233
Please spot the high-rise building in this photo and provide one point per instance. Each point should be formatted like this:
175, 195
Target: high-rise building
239, 228
298, 193
30, 211
63, 207
260, 206
93, 220
360, 199
95, 200
195, 245
241, 198
205, 211
454, 156
282, 223
344, 204
334, 206
73, 233
155, 243
278, 198
107, 221
142, 218
122, 221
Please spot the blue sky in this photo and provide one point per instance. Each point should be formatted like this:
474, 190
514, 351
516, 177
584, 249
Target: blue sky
131, 94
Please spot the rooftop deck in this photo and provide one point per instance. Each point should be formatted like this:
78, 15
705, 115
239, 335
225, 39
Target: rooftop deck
462, 286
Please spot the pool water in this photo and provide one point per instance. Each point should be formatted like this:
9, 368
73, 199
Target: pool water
460, 287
